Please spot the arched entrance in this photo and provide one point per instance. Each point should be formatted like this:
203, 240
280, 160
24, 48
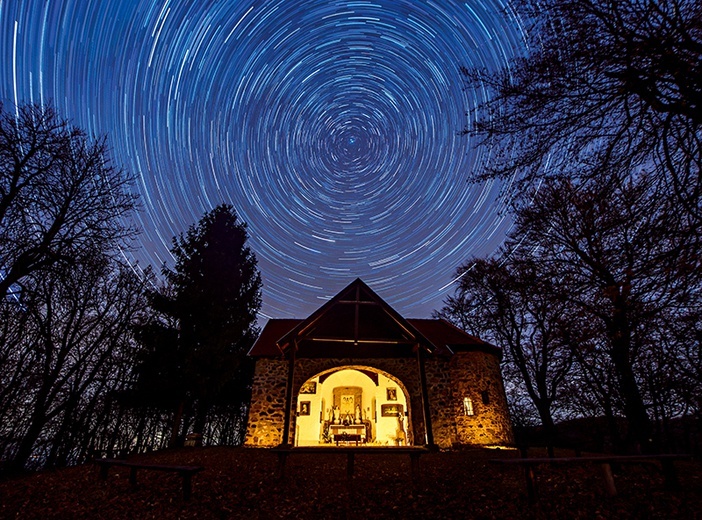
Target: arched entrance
351, 404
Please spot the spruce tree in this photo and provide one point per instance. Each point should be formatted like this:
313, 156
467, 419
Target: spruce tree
209, 303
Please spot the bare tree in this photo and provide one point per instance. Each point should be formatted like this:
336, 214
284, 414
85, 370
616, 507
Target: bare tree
610, 273
59, 195
79, 328
606, 88
601, 121
626, 257
509, 302
67, 302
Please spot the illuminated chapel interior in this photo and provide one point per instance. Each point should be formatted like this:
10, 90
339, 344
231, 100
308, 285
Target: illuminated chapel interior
352, 404
356, 372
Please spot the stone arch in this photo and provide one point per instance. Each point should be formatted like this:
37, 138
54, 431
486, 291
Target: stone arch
316, 409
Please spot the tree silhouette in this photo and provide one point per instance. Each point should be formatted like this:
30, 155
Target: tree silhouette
59, 195
204, 324
510, 303
615, 270
76, 331
67, 301
607, 89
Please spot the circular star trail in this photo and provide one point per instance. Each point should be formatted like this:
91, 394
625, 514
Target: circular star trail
332, 127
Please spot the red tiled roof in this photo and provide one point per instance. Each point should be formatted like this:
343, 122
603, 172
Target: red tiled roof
275, 329
444, 334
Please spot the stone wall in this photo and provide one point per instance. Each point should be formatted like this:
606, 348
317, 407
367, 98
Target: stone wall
449, 380
441, 401
267, 410
477, 375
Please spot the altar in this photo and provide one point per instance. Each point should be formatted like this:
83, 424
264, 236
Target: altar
347, 433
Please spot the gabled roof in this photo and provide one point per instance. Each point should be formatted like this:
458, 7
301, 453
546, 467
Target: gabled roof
356, 315
358, 323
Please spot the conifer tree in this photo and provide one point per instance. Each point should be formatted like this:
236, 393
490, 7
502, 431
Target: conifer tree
204, 323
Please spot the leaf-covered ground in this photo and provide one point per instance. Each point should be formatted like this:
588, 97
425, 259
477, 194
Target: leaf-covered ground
243, 483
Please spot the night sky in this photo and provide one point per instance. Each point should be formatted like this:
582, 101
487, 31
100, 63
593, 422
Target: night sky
331, 127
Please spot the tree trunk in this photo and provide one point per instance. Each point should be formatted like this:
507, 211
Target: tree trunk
549, 426
639, 430
615, 441
24, 451
175, 429
200, 417
60, 438
141, 426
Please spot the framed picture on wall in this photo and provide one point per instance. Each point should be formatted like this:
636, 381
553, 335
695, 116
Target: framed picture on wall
310, 387
391, 410
304, 407
391, 393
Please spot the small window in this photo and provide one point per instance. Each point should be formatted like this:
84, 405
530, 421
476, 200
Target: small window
467, 406
486, 397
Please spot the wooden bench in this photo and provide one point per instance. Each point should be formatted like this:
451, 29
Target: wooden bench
186, 472
414, 452
605, 462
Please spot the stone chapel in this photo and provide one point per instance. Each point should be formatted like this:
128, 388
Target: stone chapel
356, 372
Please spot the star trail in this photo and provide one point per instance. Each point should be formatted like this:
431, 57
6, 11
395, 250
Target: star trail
332, 128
